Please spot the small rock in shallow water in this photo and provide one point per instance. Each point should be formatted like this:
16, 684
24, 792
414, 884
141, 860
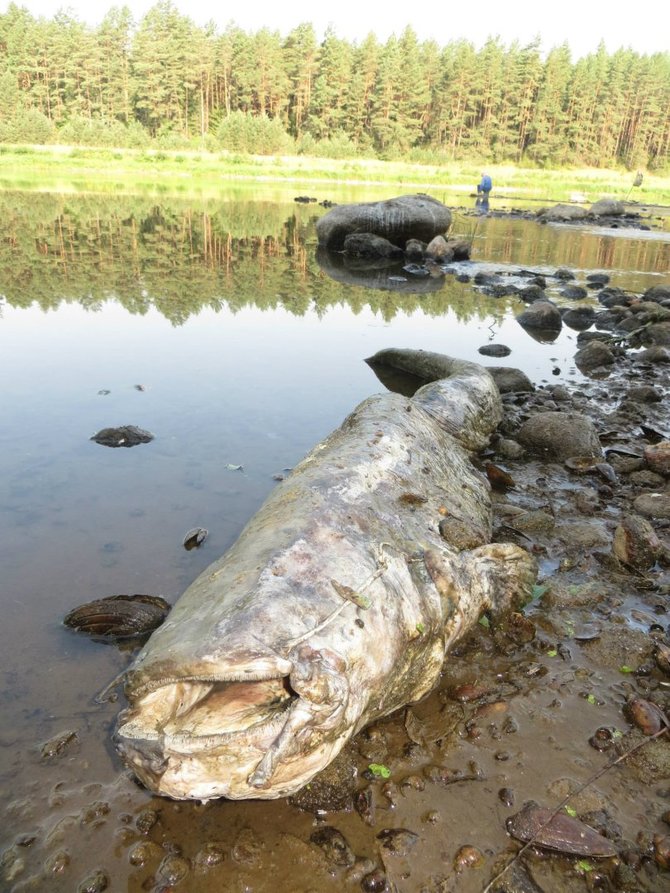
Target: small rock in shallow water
334, 846
96, 882
495, 350
125, 436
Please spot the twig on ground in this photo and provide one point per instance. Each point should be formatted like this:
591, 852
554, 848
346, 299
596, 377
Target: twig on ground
566, 800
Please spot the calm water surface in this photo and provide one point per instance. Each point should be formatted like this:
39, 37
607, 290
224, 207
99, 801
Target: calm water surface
248, 353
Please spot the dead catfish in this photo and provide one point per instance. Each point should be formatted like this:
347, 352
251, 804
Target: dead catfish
337, 604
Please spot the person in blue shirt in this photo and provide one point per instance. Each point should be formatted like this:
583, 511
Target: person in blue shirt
485, 185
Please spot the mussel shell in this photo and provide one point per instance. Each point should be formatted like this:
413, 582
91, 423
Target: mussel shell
119, 616
559, 832
581, 464
195, 538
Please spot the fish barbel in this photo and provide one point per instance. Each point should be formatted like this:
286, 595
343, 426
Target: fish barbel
338, 602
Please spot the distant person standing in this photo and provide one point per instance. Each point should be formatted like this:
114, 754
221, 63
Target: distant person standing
485, 185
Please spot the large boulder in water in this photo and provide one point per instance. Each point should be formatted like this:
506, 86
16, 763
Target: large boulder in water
608, 207
562, 212
396, 219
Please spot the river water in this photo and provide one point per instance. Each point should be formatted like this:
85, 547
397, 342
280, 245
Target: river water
212, 324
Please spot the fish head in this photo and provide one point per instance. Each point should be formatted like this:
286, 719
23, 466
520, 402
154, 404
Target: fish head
260, 726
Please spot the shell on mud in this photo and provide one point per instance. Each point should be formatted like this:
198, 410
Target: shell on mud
662, 655
646, 715
195, 538
581, 464
119, 616
558, 831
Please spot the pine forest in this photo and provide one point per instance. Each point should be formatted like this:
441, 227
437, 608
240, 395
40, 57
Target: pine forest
165, 81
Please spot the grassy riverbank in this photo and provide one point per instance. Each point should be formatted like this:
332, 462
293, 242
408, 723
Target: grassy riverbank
63, 168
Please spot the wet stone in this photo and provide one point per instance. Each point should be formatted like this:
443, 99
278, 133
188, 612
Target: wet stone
57, 862
95, 882
248, 848
653, 505
146, 820
398, 841
94, 813
495, 350
55, 746
375, 882
172, 870
209, 855
145, 851
125, 436
334, 846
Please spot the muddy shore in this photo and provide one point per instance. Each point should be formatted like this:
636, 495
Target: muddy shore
530, 711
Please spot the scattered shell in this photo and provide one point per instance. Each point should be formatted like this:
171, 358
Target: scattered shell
499, 479
558, 832
119, 616
468, 857
662, 655
581, 464
587, 632
602, 738
506, 796
195, 538
645, 715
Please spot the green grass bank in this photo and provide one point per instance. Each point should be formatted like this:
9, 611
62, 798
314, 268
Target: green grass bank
64, 168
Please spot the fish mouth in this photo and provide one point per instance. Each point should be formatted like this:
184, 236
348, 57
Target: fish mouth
248, 734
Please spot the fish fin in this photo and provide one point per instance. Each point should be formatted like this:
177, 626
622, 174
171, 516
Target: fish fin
495, 578
506, 574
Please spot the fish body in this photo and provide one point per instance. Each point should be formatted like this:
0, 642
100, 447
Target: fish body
336, 605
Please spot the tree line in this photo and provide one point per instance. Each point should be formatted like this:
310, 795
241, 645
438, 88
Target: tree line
167, 81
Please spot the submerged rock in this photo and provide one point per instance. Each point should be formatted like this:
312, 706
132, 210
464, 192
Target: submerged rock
541, 315
125, 436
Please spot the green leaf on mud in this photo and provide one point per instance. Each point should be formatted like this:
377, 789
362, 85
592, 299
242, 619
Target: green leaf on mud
592, 699
552, 653
379, 770
583, 865
420, 628
626, 669
571, 811
484, 621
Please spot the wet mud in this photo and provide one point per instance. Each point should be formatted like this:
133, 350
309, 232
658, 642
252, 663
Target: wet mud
535, 709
